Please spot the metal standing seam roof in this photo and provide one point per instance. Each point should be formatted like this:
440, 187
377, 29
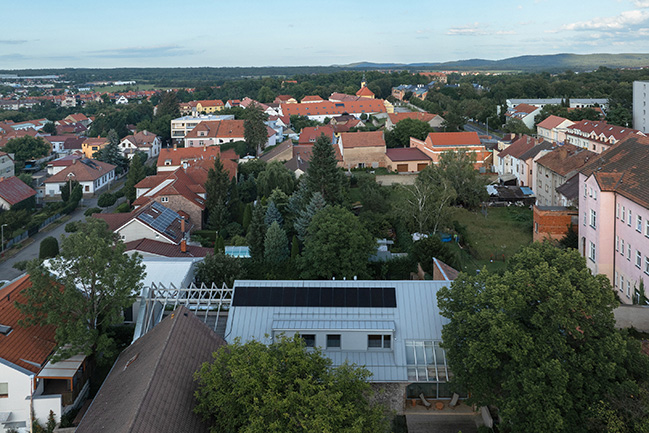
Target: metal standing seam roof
358, 325
415, 317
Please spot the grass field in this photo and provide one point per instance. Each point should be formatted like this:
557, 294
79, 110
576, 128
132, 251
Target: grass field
494, 238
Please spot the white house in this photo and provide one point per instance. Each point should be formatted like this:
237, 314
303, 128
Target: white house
143, 141
121, 100
93, 176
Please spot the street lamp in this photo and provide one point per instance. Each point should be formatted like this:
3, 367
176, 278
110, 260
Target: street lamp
2, 229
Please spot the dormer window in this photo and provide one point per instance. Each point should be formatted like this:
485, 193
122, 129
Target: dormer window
167, 162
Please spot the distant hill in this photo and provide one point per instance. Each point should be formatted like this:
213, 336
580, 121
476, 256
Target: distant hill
551, 62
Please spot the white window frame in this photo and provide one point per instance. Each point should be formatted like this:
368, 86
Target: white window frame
638, 259
591, 251
638, 224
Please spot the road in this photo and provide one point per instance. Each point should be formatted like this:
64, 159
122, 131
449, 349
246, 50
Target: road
30, 252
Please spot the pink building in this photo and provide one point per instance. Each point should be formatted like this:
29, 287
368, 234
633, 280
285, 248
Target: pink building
614, 215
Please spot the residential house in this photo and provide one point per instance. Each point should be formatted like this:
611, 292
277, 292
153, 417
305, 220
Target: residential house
285, 99
281, 152
56, 165
11, 134
92, 145
29, 384
554, 129
14, 191
209, 106
178, 191
407, 160
572, 103
151, 221
438, 142
92, 175
183, 125
321, 110
143, 141
152, 248
553, 169
171, 159
526, 113
369, 323
58, 142
362, 149
78, 118
233, 103
640, 110
151, 387
311, 98
517, 159
344, 123
121, 100
434, 120
418, 90
614, 215
299, 163
310, 134
7, 166
597, 136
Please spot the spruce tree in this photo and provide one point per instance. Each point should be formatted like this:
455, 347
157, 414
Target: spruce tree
323, 175
216, 191
135, 174
302, 223
273, 215
247, 216
295, 248
256, 233
275, 245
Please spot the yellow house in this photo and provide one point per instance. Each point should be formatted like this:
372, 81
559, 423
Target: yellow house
209, 106
92, 145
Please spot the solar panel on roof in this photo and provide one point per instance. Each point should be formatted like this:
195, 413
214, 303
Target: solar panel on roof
349, 297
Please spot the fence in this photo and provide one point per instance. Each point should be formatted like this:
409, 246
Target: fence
32, 231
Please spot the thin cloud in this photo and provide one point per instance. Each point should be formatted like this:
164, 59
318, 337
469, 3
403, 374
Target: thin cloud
641, 3
625, 21
13, 41
476, 29
136, 52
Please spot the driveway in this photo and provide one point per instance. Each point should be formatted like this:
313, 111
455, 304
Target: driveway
442, 423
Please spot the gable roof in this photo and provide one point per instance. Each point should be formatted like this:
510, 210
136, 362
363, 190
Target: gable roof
623, 168
565, 159
14, 190
218, 128
310, 134
362, 139
364, 91
417, 115
141, 139
518, 147
27, 348
454, 139
151, 385
277, 150
329, 108
84, 170
198, 156
552, 122
175, 183
600, 128
165, 249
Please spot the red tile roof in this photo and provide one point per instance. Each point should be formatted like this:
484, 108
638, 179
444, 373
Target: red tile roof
328, 108
312, 98
175, 183
406, 154
417, 115
218, 128
362, 139
210, 103
586, 128
310, 134
566, 159
23, 347
166, 250
14, 190
454, 139
364, 91
525, 108
552, 122
519, 147
84, 170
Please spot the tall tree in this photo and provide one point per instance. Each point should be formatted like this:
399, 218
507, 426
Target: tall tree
400, 135
275, 245
49, 128
458, 168
323, 175
276, 175
216, 192
539, 342
136, 173
336, 245
255, 131
273, 215
111, 153
283, 387
168, 106
219, 269
257, 233
306, 215
84, 290
426, 201
27, 147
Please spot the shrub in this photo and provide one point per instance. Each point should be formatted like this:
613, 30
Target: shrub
123, 208
71, 227
49, 248
119, 193
21, 265
106, 199
92, 210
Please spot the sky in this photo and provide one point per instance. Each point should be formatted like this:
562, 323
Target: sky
217, 33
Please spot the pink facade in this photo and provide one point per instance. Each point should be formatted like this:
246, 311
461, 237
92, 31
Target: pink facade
614, 237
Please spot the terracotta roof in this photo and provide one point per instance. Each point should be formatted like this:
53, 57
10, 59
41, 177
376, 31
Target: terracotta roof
587, 128
166, 250
623, 168
312, 98
14, 190
141, 139
518, 147
454, 139
328, 108
95, 141
210, 103
175, 183
566, 159
552, 122
304, 152
417, 115
151, 387
310, 134
218, 128
84, 170
27, 348
543, 145
406, 154
199, 156
343, 97
364, 91
114, 220
525, 108
362, 139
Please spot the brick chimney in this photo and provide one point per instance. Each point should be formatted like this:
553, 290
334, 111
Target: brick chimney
182, 225
183, 245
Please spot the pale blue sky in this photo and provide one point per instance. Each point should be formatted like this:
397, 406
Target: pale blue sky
119, 33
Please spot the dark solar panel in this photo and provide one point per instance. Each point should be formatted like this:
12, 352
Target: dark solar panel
351, 297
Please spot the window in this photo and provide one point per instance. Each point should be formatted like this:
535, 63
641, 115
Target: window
4, 389
628, 288
616, 279
628, 251
164, 199
617, 243
621, 283
379, 342
646, 227
623, 214
629, 220
426, 361
585, 190
622, 248
594, 194
585, 217
593, 219
309, 339
646, 265
591, 254
638, 224
638, 259
333, 341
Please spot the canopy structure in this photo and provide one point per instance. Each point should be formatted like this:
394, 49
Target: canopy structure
65, 369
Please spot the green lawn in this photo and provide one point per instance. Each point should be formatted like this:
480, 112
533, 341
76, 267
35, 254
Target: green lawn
495, 237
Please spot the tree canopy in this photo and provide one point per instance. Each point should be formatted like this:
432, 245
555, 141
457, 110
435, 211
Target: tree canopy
284, 388
27, 147
216, 191
426, 202
458, 169
276, 175
323, 175
400, 135
84, 290
255, 131
539, 343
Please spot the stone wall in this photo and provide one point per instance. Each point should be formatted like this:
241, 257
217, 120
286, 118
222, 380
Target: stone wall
392, 395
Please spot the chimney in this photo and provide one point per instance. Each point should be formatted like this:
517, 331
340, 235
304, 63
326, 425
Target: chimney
74, 161
183, 246
175, 145
182, 225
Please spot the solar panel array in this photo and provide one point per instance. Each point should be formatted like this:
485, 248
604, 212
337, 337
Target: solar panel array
162, 221
345, 297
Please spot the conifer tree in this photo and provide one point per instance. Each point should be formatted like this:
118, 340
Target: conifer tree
216, 191
135, 174
256, 233
273, 215
302, 223
275, 245
323, 173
